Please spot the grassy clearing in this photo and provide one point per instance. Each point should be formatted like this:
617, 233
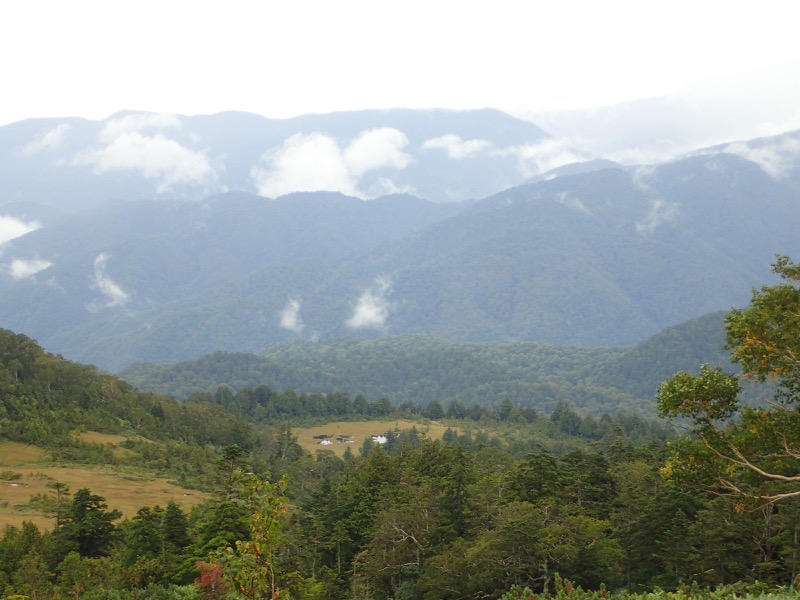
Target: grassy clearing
111, 441
360, 430
127, 492
16, 453
95, 437
122, 491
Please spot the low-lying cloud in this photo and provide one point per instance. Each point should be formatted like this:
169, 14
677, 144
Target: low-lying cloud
137, 122
137, 143
572, 202
289, 316
641, 176
111, 293
659, 213
457, 148
155, 157
48, 141
22, 269
314, 162
532, 159
549, 154
778, 158
12, 227
372, 307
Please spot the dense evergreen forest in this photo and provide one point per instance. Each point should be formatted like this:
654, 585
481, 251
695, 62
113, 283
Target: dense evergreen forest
512, 502
419, 369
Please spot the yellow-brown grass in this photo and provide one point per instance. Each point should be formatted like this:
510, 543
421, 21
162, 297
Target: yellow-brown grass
110, 440
95, 437
127, 493
360, 430
17, 453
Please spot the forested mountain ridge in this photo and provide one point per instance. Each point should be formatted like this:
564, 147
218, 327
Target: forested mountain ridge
603, 257
442, 155
419, 369
44, 399
602, 513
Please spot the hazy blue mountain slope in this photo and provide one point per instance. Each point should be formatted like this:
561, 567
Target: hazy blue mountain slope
441, 155
601, 258
117, 269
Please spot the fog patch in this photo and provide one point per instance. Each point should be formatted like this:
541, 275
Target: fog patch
572, 202
289, 317
457, 148
778, 158
47, 142
385, 186
112, 294
155, 157
12, 227
660, 212
154, 123
640, 177
22, 269
534, 159
315, 162
372, 307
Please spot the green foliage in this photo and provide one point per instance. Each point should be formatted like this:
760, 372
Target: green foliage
249, 566
754, 455
706, 398
419, 369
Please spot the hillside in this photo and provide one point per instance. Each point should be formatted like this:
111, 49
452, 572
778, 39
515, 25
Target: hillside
51, 403
442, 155
420, 369
593, 257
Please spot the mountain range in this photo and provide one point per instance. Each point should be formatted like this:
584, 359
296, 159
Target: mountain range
419, 368
144, 237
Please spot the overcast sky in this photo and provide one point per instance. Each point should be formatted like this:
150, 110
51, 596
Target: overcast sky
281, 59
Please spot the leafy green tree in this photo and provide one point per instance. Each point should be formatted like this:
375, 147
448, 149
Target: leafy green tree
90, 525
750, 452
360, 405
249, 566
142, 536
32, 577
434, 410
724, 541
456, 410
17, 542
175, 528
538, 478
74, 575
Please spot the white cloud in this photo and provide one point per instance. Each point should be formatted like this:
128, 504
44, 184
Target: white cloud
372, 307
155, 157
290, 316
48, 141
778, 158
385, 186
11, 227
572, 202
640, 176
112, 293
377, 149
137, 122
457, 148
314, 162
303, 162
660, 212
534, 159
21, 269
